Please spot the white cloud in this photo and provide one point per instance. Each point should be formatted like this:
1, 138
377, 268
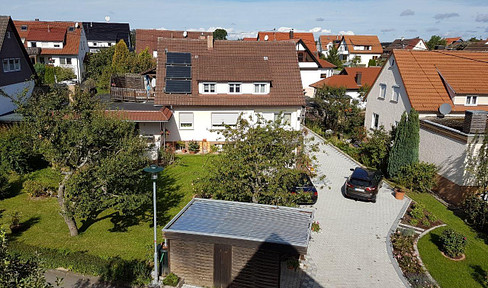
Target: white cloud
315, 29
284, 29
346, 32
326, 31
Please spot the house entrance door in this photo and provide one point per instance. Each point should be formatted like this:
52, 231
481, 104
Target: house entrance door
222, 265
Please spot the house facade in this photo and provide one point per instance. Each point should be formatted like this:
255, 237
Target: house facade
326, 42
101, 35
56, 43
209, 84
408, 44
16, 75
439, 85
360, 47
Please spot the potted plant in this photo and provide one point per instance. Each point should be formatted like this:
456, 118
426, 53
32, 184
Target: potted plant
193, 147
292, 263
399, 193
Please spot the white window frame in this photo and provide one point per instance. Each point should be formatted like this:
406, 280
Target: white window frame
186, 125
395, 93
235, 85
222, 125
69, 61
375, 123
285, 115
210, 85
11, 65
471, 100
62, 60
262, 88
382, 91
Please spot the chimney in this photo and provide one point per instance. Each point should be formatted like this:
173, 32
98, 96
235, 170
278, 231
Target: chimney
358, 78
37, 19
291, 34
474, 121
210, 42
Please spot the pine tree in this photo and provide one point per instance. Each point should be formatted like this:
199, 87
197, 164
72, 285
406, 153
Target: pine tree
413, 139
121, 58
398, 155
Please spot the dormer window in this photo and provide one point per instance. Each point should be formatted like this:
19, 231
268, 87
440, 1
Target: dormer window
23, 28
260, 88
71, 29
234, 88
471, 100
209, 88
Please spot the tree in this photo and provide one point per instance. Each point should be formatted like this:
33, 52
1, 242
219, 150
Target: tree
120, 60
413, 139
258, 164
220, 34
355, 61
333, 57
100, 156
477, 163
435, 41
372, 63
374, 152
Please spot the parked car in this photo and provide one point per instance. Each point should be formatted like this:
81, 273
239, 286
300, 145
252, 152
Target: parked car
363, 184
306, 190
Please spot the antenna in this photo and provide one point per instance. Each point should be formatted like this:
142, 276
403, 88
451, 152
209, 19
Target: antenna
107, 18
445, 109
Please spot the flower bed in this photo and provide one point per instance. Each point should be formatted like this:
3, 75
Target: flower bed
418, 216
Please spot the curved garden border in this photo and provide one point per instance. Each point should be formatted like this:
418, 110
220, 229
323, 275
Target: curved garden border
418, 254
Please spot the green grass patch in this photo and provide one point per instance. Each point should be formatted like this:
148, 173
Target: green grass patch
470, 272
44, 227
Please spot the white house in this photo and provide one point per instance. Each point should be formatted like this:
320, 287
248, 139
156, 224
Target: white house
361, 47
408, 44
57, 43
209, 84
326, 42
438, 84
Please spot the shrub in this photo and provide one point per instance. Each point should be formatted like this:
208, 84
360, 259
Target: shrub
417, 211
404, 252
193, 146
374, 152
476, 211
315, 226
453, 243
418, 176
43, 182
4, 186
166, 156
34, 188
171, 279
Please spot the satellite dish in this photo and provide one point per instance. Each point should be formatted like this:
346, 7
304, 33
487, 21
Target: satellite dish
185, 34
266, 37
107, 18
445, 109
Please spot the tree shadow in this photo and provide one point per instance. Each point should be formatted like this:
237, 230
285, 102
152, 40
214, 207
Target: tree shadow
86, 223
480, 275
14, 189
168, 195
24, 226
1, 213
436, 240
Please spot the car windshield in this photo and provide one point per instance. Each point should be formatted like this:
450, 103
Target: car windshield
359, 182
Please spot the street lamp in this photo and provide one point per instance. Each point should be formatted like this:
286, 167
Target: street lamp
154, 170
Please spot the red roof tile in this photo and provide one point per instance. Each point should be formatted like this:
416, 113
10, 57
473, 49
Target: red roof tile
162, 115
451, 40
326, 39
148, 38
363, 40
249, 39
306, 37
347, 78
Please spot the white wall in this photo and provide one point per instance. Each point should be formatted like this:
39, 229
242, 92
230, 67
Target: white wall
223, 88
364, 57
311, 76
42, 44
14, 91
202, 124
388, 110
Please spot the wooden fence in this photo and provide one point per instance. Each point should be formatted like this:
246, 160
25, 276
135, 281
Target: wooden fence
131, 95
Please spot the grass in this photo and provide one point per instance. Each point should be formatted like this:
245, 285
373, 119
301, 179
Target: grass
467, 273
44, 227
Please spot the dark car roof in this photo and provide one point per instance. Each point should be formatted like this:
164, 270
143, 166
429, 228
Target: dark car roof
362, 174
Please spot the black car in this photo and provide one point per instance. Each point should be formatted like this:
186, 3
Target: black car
307, 193
363, 184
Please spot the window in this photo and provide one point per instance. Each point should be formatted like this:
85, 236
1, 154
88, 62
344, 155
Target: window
11, 64
219, 120
260, 88
71, 29
382, 91
68, 60
56, 45
471, 100
62, 60
376, 121
23, 28
33, 44
209, 88
396, 93
186, 120
8, 34
286, 118
234, 88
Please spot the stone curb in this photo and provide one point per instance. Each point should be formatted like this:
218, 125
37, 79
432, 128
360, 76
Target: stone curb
418, 254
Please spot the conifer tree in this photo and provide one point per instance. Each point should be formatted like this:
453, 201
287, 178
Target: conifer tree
397, 157
413, 136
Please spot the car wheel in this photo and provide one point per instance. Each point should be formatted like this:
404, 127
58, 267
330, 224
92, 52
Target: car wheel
374, 200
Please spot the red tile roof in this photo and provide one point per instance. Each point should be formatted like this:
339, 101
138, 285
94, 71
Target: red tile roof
347, 78
325, 63
363, 40
249, 57
481, 46
249, 39
403, 44
326, 39
162, 115
306, 37
451, 40
148, 38
427, 75
52, 31
338, 81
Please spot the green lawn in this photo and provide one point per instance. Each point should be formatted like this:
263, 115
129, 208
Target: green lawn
46, 228
467, 273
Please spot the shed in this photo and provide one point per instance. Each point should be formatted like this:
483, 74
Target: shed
218, 243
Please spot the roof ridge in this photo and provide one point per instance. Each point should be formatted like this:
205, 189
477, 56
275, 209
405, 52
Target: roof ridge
459, 56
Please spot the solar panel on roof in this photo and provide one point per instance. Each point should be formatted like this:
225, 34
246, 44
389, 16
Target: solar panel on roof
179, 72
178, 86
178, 58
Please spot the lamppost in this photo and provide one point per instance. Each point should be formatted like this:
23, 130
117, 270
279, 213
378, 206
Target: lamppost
154, 170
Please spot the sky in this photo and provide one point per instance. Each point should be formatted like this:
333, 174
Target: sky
389, 19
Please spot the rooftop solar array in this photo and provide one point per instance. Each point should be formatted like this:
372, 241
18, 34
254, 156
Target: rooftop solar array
178, 73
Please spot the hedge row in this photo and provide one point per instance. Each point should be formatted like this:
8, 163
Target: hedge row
113, 269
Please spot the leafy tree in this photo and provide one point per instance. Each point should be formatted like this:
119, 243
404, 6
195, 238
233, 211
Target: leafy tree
333, 57
99, 66
257, 164
355, 61
418, 176
220, 34
101, 157
477, 163
144, 61
120, 60
372, 63
374, 151
435, 41
16, 273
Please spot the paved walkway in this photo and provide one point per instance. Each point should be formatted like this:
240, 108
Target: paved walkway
75, 280
351, 249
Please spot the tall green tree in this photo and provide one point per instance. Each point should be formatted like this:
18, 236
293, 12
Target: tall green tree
257, 164
101, 157
375, 151
333, 57
478, 162
435, 41
121, 58
413, 139
220, 34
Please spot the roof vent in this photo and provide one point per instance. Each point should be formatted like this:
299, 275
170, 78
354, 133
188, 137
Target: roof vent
265, 58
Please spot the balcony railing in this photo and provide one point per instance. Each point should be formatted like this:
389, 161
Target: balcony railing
131, 95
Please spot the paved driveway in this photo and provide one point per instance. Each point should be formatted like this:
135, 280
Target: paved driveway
351, 249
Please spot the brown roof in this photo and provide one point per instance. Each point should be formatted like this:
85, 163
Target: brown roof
451, 40
306, 37
478, 46
249, 57
347, 78
148, 38
3, 28
324, 63
215, 67
403, 44
427, 75
249, 39
363, 40
326, 39
52, 31
162, 115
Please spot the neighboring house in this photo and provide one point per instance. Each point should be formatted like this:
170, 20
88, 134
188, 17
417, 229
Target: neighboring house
453, 41
61, 44
361, 47
437, 84
352, 79
326, 42
312, 68
405, 44
16, 75
214, 243
480, 46
148, 38
102, 35
209, 84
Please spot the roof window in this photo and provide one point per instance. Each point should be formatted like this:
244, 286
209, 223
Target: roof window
23, 28
71, 29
